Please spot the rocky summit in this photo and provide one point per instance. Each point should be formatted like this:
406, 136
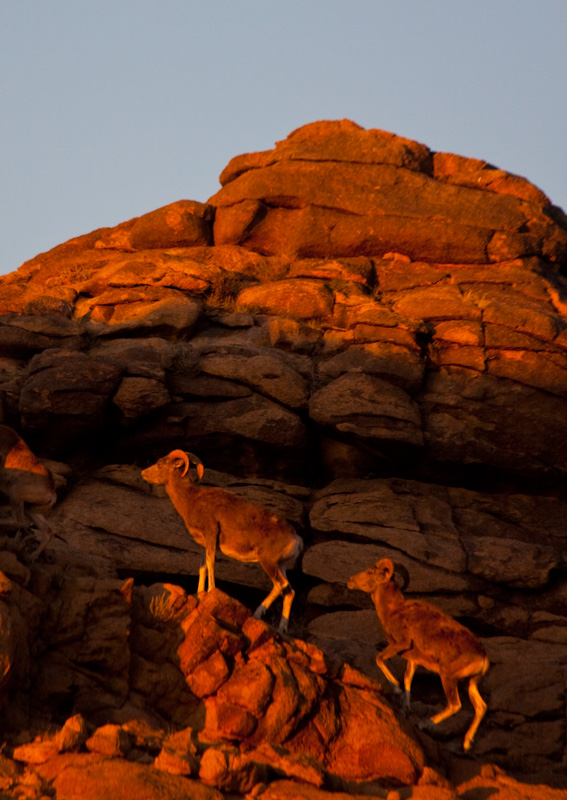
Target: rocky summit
366, 338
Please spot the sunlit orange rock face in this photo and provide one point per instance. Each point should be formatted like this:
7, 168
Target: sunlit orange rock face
370, 340
439, 274
336, 190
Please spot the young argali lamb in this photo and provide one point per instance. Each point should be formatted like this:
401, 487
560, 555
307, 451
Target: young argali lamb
217, 518
424, 635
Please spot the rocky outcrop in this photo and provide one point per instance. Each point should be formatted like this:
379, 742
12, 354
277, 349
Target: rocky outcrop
370, 340
121, 656
334, 189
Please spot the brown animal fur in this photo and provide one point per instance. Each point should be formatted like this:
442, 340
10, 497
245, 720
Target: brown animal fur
218, 518
424, 635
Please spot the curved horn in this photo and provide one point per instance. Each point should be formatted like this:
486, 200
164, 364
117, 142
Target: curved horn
198, 463
400, 570
183, 456
188, 458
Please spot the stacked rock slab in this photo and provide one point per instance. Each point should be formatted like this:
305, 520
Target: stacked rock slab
368, 338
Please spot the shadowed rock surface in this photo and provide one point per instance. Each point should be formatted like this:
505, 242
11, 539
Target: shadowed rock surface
370, 340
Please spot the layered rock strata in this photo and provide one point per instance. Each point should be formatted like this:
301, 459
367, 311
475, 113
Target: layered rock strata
362, 335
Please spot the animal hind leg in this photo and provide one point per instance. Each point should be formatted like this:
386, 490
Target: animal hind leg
479, 710
280, 583
288, 594
451, 689
408, 678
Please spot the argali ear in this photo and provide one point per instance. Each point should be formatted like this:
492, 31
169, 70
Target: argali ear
178, 463
200, 471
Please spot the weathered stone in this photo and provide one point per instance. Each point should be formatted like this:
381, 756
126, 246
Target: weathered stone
519, 564
290, 790
336, 140
9, 773
279, 760
72, 735
148, 357
179, 754
479, 174
525, 678
335, 271
185, 223
8, 649
362, 625
255, 418
395, 363
250, 687
136, 397
399, 274
298, 198
151, 310
21, 336
88, 630
468, 419
229, 770
496, 783
36, 752
288, 334
13, 569
66, 394
299, 299
123, 512
182, 224
182, 268
363, 405
336, 561
420, 526
227, 721
209, 675
172, 762
370, 721
109, 740
95, 777
265, 373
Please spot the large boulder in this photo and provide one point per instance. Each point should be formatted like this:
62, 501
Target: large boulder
316, 195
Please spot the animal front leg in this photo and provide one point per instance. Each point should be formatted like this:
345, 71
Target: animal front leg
391, 650
202, 574
210, 555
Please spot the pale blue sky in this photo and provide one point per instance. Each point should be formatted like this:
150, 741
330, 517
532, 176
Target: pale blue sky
112, 108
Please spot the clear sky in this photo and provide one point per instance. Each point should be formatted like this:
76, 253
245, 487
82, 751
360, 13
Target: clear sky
112, 108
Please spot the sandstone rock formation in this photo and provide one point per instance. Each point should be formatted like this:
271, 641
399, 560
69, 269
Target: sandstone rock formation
369, 339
